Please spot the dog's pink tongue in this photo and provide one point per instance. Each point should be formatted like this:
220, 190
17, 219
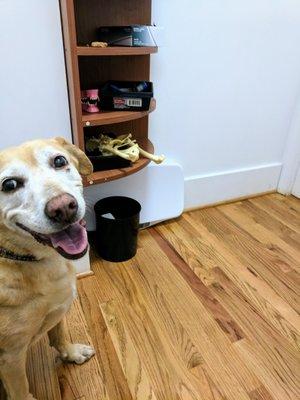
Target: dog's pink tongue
72, 240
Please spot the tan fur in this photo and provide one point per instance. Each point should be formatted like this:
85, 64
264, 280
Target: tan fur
83, 164
34, 296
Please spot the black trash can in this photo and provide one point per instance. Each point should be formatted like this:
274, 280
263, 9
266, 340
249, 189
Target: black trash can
117, 226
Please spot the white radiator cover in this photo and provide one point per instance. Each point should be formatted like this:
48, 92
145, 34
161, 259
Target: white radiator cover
158, 188
82, 266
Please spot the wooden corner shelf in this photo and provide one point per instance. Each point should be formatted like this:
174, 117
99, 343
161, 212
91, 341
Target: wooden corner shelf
115, 51
114, 117
90, 67
113, 174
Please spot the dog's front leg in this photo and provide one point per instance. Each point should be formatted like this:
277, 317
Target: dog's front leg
13, 376
78, 353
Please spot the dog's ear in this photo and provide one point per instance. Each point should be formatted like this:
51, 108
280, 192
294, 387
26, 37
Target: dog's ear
82, 162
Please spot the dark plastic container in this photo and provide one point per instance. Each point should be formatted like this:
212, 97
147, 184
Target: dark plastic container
103, 163
133, 35
116, 239
114, 98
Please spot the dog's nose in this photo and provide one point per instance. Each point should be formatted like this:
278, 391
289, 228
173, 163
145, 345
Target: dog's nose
62, 208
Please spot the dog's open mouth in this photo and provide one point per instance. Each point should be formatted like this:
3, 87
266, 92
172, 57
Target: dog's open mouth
71, 242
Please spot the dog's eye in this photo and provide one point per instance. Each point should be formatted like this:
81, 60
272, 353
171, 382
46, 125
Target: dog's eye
59, 162
11, 184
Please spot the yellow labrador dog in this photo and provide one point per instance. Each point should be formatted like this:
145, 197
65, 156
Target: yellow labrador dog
41, 230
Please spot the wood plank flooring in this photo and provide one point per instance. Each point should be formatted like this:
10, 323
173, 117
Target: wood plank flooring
207, 310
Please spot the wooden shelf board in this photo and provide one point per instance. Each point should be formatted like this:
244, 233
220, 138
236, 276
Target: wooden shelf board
114, 117
113, 174
115, 51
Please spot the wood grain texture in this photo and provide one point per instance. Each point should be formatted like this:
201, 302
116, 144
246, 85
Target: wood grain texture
112, 374
285, 214
288, 254
268, 346
250, 283
205, 311
264, 217
260, 394
72, 67
88, 380
42, 371
150, 328
115, 51
249, 251
103, 13
198, 322
209, 390
204, 294
114, 117
132, 365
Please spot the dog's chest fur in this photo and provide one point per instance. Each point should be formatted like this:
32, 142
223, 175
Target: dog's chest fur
33, 299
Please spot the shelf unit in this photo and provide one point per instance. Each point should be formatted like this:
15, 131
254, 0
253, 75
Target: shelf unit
89, 67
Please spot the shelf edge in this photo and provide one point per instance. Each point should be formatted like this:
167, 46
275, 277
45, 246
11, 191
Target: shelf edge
107, 118
87, 51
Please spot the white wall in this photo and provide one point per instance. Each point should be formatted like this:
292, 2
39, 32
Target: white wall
226, 81
33, 99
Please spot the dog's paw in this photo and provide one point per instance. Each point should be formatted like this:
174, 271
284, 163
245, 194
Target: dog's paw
78, 353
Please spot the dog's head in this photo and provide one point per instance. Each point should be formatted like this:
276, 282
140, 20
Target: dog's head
41, 194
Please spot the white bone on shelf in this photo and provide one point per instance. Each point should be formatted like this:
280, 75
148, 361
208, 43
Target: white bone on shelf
110, 175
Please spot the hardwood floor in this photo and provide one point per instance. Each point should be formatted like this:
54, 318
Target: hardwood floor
207, 310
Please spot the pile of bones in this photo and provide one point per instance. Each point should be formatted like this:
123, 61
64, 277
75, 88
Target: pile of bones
123, 146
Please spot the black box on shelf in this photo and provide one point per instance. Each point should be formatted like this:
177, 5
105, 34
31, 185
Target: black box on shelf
103, 163
126, 96
132, 36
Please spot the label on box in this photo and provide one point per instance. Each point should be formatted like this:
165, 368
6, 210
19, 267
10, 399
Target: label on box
123, 102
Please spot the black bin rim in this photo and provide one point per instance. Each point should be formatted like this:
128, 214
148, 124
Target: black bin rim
103, 206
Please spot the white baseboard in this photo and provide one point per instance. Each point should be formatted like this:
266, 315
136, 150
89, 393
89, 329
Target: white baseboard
203, 190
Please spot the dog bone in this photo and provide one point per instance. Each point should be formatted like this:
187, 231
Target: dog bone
153, 157
122, 146
99, 44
